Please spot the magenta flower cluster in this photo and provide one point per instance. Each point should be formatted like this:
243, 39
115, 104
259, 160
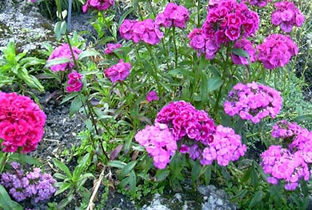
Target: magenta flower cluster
146, 31
246, 45
118, 72
63, 51
21, 123
152, 96
276, 51
111, 47
74, 83
185, 120
226, 22
253, 102
158, 142
225, 147
282, 165
173, 15
23, 185
292, 163
286, 16
259, 3
98, 4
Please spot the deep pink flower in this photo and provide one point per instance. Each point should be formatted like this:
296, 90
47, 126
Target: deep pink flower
118, 72
74, 83
146, 31
173, 15
98, 4
152, 96
246, 45
276, 51
21, 123
259, 3
111, 47
286, 16
63, 51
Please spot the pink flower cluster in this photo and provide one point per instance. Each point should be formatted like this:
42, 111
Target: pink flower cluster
288, 164
284, 129
226, 147
74, 83
146, 31
158, 142
276, 51
253, 102
22, 185
21, 123
246, 45
98, 4
259, 3
118, 72
63, 51
111, 47
185, 120
281, 164
286, 16
152, 96
173, 15
226, 21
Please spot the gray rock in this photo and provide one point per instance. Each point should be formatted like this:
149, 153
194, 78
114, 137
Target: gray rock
156, 204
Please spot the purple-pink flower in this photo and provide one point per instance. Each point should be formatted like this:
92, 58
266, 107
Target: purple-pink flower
33, 184
98, 4
253, 102
63, 51
146, 31
286, 16
276, 51
246, 45
152, 96
158, 142
282, 165
74, 83
173, 15
118, 72
225, 147
111, 47
259, 3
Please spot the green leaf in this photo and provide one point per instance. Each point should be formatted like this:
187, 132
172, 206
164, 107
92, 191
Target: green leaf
59, 176
6, 202
241, 52
123, 17
57, 30
116, 164
63, 188
256, 199
195, 171
204, 88
57, 61
132, 182
126, 170
214, 83
307, 117
24, 159
65, 201
207, 175
75, 106
88, 53
253, 176
62, 167
162, 174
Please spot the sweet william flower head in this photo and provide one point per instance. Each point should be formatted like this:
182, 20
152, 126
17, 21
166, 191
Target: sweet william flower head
173, 15
118, 72
98, 5
21, 123
253, 102
152, 96
63, 51
74, 83
158, 142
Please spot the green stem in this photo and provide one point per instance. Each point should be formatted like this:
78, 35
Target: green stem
198, 13
72, 52
218, 99
175, 47
155, 71
3, 161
